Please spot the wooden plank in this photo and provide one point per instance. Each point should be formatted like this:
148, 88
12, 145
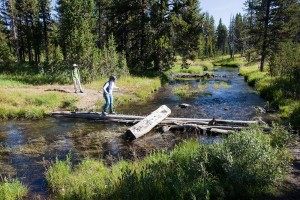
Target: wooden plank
146, 124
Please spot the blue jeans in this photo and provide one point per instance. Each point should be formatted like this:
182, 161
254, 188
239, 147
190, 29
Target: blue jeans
109, 100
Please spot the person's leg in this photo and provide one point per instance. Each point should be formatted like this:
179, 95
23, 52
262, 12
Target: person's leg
107, 102
74, 81
79, 85
111, 105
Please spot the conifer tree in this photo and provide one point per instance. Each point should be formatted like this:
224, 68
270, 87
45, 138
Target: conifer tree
222, 35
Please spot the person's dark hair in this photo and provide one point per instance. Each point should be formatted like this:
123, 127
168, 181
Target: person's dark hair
112, 78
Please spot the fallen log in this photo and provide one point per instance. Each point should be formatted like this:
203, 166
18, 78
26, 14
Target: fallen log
146, 124
189, 75
203, 129
135, 119
197, 128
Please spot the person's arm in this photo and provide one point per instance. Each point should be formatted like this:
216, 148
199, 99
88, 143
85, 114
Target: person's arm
115, 87
78, 74
72, 73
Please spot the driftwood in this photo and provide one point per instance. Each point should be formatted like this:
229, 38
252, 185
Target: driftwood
146, 124
205, 129
199, 129
189, 75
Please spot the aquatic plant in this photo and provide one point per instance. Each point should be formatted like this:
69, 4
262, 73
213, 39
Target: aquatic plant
11, 190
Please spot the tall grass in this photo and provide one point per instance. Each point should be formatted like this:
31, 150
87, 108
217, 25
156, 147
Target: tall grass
12, 190
244, 165
15, 103
132, 88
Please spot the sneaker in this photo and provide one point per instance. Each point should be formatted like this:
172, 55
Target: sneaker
81, 91
104, 113
113, 113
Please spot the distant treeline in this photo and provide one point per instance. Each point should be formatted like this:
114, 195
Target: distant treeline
117, 36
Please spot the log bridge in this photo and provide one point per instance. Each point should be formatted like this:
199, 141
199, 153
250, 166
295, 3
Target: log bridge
144, 124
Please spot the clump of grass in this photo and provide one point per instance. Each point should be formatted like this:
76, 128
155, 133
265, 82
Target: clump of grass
231, 169
11, 190
201, 87
221, 84
31, 103
185, 91
192, 69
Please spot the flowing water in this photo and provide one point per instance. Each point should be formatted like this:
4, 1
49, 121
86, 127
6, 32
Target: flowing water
29, 147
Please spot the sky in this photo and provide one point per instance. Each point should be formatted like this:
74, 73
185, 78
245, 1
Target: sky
222, 9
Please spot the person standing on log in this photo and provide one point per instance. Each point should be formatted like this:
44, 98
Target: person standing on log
76, 78
108, 95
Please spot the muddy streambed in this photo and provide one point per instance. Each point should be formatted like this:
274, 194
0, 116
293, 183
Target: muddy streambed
29, 147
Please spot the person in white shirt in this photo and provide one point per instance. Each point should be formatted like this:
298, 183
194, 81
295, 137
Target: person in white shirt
108, 95
76, 78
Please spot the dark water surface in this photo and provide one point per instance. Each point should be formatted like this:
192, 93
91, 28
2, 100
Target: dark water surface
29, 147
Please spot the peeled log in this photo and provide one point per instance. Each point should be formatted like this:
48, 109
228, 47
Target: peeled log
146, 124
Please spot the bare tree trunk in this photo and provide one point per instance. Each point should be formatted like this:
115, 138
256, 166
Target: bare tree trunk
14, 29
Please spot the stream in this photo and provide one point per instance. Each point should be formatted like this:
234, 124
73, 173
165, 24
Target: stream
29, 147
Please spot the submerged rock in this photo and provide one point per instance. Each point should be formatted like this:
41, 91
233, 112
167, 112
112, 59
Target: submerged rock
184, 105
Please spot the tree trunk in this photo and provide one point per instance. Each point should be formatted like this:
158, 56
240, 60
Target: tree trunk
265, 35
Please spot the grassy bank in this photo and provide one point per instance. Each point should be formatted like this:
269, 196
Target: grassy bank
32, 104
12, 190
195, 67
228, 62
276, 91
232, 169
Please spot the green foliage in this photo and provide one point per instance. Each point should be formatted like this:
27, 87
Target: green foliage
11, 190
244, 165
5, 55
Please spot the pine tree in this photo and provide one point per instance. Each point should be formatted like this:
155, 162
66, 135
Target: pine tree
222, 35
76, 25
238, 32
273, 21
187, 22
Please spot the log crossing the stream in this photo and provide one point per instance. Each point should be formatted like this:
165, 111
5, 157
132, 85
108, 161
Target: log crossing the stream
144, 124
